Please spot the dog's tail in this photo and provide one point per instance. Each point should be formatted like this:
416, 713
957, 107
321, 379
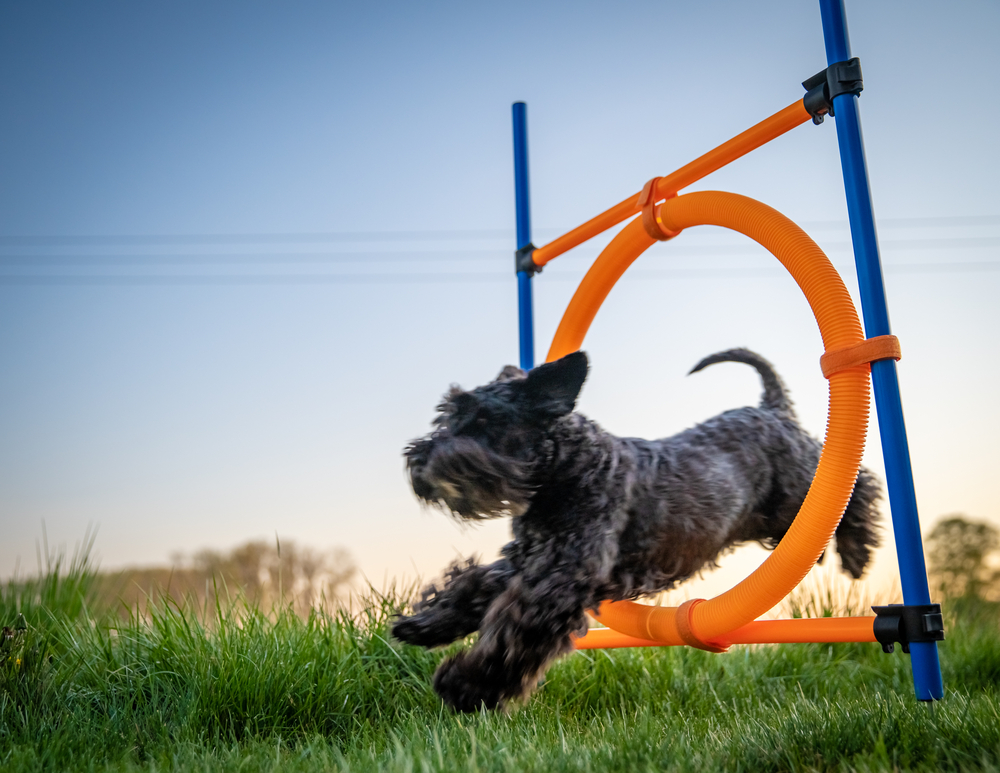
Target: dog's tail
775, 395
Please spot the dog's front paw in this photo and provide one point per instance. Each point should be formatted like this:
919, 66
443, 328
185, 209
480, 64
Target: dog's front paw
462, 688
411, 630
422, 630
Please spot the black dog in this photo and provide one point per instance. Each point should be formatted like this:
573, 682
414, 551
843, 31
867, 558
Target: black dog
596, 516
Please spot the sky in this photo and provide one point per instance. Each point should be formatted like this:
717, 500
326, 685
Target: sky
245, 247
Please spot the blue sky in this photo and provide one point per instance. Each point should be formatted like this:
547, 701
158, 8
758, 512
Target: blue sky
244, 247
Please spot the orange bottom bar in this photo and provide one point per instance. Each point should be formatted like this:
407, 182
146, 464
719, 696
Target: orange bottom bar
821, 629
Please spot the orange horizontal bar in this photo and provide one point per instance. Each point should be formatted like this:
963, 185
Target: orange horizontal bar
826, 630
760, 134
609, 218
609, 639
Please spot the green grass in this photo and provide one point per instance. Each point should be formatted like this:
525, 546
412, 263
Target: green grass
240, 690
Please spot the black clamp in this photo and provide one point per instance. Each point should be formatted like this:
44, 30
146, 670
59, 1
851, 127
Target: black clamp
523, 261
821, 89
908, 623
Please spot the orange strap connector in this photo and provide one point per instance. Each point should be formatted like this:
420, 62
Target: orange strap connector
867, 351
683, 619
647, 203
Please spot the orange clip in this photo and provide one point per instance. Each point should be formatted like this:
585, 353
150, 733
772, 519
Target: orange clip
683, 618
867, 351
647, 203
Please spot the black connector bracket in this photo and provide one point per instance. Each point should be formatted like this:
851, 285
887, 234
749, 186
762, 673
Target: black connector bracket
821, 89
908, 623
523, 261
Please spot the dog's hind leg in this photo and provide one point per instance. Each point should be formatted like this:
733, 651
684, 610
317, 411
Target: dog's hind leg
457, 608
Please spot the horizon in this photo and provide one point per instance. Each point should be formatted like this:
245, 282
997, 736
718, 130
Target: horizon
243, 252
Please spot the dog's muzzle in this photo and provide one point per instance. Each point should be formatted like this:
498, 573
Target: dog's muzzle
470, 481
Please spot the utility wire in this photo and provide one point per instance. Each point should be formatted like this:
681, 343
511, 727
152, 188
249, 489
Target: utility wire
438, 235
32, 280
453, 254
142, 263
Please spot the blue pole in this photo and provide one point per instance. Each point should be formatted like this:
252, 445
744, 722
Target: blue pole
899, 476
523, 210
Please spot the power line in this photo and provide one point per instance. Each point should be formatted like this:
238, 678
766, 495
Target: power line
142, 263
429, 235
479, 254
249, 279
131, 240
940, 221
185, 280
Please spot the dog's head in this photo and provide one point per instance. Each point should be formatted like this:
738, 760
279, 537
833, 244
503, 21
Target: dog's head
484, 456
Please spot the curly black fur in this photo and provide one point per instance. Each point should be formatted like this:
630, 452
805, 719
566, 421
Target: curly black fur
596, 516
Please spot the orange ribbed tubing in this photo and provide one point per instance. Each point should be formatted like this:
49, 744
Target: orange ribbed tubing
759, 134
847, 423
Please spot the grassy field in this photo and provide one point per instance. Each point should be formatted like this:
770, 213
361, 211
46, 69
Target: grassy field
239, 690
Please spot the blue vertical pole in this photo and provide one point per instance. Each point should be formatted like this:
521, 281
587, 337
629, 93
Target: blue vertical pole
899, 476
522, 204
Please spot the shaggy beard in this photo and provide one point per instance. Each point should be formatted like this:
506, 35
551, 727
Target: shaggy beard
466, 480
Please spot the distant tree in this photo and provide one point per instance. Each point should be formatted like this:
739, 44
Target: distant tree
339, 570
263, 573
247, 566
964, 558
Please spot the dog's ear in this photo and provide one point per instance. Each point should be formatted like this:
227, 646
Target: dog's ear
551, 389
509, 373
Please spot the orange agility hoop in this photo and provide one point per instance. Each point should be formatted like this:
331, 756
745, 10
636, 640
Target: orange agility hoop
846, 362
718, 622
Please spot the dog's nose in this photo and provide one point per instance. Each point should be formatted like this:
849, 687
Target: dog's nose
420, 486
